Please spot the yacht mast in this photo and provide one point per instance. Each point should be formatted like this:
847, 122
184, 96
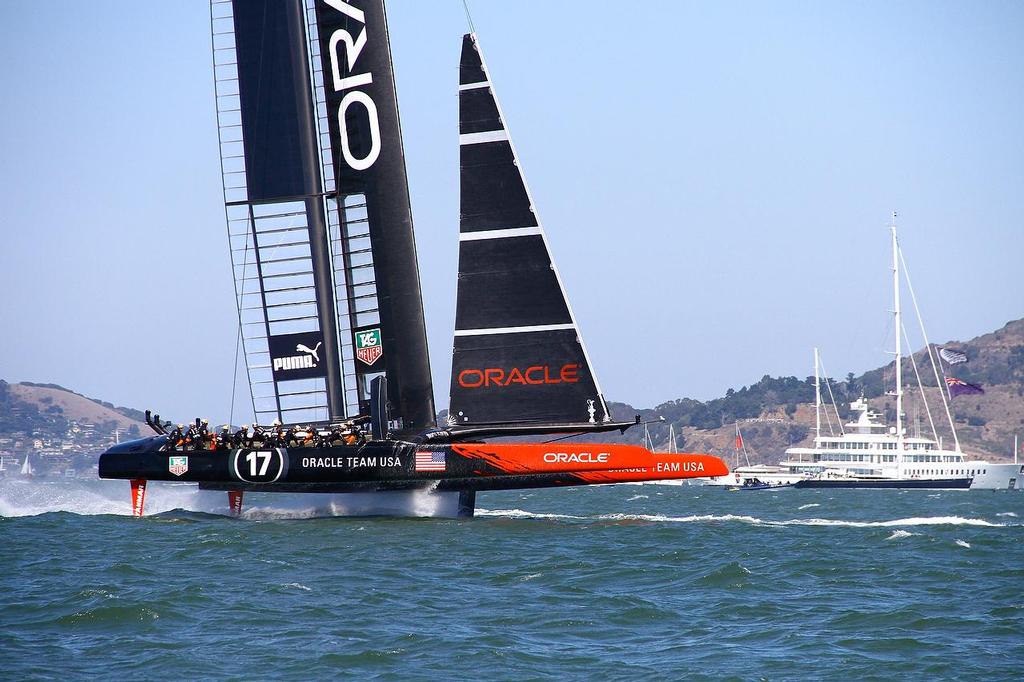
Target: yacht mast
898, 327
817, 401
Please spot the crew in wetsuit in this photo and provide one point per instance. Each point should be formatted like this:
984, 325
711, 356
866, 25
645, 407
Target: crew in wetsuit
175, 438
241, 436
223, 439
258, 435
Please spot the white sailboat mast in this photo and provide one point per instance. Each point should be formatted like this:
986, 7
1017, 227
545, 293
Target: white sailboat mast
817, 400
898, 333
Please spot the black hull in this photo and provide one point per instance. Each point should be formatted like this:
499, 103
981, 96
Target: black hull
909, 483
371, 467
399, 465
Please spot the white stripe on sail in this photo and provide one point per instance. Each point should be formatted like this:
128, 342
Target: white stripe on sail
515, 330
499, 234
487, 136
474, 86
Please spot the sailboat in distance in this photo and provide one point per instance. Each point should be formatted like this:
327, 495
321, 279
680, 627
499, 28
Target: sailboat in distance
330, 308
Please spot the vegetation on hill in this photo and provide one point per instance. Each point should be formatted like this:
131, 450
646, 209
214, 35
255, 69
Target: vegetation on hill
130, 412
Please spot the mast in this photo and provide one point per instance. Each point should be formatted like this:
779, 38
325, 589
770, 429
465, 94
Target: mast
899, 326
817, 400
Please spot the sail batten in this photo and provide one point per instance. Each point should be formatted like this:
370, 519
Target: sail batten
518, 355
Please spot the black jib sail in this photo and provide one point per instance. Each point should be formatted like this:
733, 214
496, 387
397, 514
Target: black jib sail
318, 210
518, 353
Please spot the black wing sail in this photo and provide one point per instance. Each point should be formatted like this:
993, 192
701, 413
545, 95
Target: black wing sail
518, 354
319, 219
384, 305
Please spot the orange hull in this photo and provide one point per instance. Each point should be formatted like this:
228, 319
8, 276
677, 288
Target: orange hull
591, 462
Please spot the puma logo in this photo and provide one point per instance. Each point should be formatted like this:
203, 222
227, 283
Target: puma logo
303, 348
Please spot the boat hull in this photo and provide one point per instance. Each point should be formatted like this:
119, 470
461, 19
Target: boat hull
392, 466
907, 483
998, 476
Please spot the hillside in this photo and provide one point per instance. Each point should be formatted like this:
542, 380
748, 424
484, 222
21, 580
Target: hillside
33, 407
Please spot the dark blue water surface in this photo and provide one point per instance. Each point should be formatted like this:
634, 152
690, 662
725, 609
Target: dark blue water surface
617, 582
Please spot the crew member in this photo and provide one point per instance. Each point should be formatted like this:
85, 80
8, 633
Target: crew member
175, 438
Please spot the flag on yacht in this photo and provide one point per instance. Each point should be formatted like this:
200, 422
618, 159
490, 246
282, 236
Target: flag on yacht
430, 461
953, 357
960, 387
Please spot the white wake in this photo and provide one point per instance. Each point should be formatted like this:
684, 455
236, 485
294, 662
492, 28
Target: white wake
751, 520
19, 497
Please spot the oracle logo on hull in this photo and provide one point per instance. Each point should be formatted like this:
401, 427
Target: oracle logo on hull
576, 457
535, 375
353, 47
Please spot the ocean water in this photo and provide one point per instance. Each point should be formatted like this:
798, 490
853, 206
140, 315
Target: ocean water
617, 582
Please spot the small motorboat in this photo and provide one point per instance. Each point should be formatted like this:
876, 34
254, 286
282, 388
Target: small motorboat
758, 484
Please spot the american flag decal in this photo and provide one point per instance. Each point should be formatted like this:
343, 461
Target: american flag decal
430, 461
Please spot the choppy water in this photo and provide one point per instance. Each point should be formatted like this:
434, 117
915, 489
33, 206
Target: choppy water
621, 582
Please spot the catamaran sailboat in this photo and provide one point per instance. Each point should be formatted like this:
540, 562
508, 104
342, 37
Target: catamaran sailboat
328, 289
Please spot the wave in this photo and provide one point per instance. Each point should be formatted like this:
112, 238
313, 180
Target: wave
751, 520
900, 534
963, 543
1010, 514
808, 506
523, 514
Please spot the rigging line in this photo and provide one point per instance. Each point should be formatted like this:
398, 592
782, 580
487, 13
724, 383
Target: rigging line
469, 17
828, 421
828, 383
238, 339
928, 347
920, 385
234, 377
570, 435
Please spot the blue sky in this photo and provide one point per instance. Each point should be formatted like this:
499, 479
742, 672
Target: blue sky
715, 180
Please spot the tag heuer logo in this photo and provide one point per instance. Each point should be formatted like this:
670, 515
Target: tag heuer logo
177, 465
368, 347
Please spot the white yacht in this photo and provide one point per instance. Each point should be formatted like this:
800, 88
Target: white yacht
868, 453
